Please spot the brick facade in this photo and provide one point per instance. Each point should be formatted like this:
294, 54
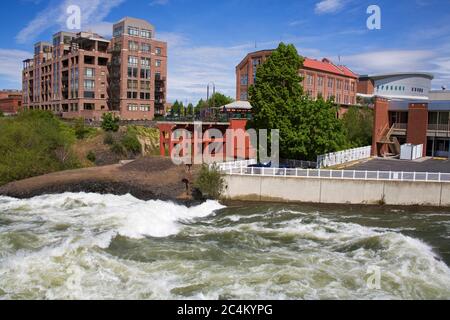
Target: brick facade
418, 125
85, 75
10, 102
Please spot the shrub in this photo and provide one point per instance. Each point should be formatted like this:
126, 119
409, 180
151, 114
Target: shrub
34, 143
1, 114
210, 182
81, 131
131, 142
110, 122
109, 139
91, 156
118, 149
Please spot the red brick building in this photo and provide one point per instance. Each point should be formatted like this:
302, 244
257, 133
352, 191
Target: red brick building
412, 121
322, 78
84, 75
10, 101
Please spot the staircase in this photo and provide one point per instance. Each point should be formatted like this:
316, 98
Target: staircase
392, 143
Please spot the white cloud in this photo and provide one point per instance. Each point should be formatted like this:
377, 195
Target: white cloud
329, 6
390, 61
11, 66
93, 12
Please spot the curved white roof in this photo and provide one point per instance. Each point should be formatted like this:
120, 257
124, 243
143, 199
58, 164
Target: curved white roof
399, 74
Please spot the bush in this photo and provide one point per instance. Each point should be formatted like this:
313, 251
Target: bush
109, 139
118, 149
1, 114
81, 131
110, 122
131, 142
34, 143
91, 156
210, 182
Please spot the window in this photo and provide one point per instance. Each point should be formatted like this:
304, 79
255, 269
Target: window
346, 85
132, 84
244, 96
89, 84
145, 73
146, 47
133, 31
89, 95
158, 51
353, 86
133, 61
133, 46
339, 85
145, 107
145, 62
310, 80
158, 63
145, 95
89, 72
146, 34
320, 81
145, 85
330, 83
244, 79
118, 31
132, 107
131, 95
132, 72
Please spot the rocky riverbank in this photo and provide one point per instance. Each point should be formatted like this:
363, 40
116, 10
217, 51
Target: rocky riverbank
148, 178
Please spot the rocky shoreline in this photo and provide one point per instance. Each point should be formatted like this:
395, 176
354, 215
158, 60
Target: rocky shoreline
150, 178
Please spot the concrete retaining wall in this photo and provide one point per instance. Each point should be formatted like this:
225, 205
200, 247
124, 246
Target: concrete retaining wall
337, 191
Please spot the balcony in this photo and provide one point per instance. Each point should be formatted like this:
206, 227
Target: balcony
439, 130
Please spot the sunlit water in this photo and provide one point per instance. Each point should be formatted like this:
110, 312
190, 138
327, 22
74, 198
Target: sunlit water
89, 246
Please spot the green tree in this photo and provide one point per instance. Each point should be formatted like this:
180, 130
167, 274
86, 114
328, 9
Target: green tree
307, 127
110, 122
175, 110
1, 114
190, 109
219, 100
202, 104
358, 124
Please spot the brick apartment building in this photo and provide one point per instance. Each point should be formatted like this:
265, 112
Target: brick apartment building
319, 78
84, 75
10, 101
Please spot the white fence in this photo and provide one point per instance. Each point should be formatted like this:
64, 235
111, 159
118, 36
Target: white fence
337, 158
225, 166
342, 174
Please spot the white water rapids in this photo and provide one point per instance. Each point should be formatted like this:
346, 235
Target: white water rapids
90, 246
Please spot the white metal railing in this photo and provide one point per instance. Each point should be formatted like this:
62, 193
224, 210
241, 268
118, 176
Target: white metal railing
341, 157
341, 174
225, 166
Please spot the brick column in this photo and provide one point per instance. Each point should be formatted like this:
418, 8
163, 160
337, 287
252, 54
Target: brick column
418, 125
380, 124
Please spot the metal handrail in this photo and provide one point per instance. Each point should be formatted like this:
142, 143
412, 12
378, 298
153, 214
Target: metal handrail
341, 174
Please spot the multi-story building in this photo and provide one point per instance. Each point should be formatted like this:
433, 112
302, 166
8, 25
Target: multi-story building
84, 75
320, 78
10, 101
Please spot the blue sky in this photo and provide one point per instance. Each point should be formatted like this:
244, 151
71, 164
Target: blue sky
208, 38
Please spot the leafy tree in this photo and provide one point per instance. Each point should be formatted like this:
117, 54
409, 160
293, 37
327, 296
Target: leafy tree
358, 124
110, 122
182, 109
219, 100
202, 104
307, 127
1, 114
175, 111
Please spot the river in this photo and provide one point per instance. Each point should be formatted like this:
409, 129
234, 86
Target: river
90, 246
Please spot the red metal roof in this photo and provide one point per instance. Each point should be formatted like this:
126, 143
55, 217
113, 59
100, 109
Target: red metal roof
327, 66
